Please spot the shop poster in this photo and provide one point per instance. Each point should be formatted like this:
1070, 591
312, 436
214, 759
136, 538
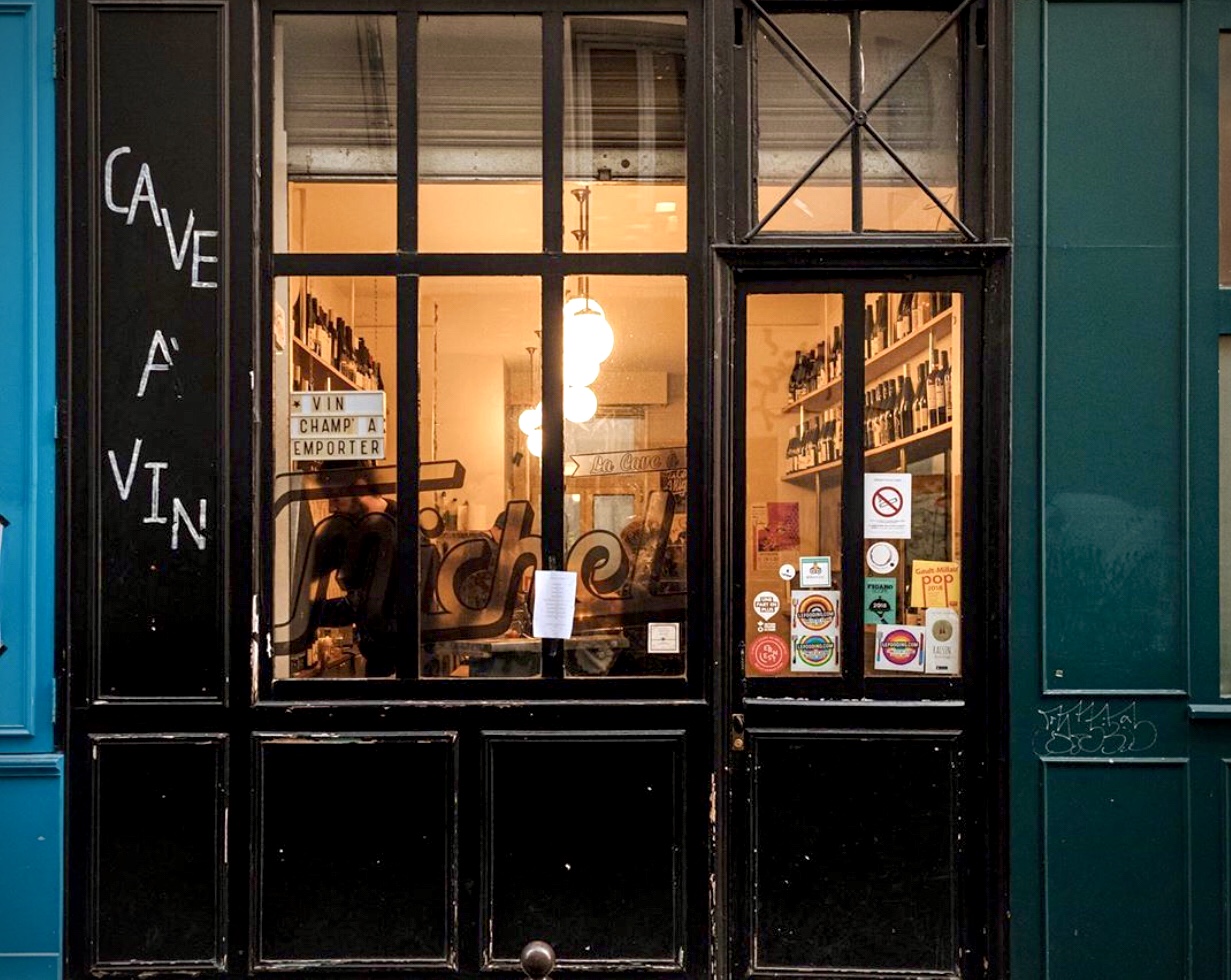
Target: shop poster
886, 505
942, 642
899, 648
936, 584
880, 601
815, 638
776, 531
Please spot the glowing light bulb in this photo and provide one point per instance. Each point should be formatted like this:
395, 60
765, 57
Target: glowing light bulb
534, 442
579, 303
588, 333
531, 419
579, 370
580, 404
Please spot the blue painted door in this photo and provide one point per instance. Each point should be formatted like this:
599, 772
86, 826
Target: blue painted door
1121, 739
31, 796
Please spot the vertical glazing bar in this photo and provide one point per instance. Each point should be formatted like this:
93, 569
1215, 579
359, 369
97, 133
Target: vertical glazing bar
852, 488
408, 474
552, 521
408, 131
553, 133
857, 132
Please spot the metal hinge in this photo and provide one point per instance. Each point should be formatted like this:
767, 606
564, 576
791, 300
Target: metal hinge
59, 53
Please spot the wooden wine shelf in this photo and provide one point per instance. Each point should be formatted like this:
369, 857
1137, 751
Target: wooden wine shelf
881, 363
919, 441
330, 372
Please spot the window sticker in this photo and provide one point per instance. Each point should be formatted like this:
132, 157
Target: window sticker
880, 601
886, 505
814, 572
942, 643
899, 648
936, 583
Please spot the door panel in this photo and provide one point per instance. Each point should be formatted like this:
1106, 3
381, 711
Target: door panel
854, 850
357, 848
158, 886
861, 808
606, 884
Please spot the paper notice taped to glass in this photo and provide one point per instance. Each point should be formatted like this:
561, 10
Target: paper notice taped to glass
555, 602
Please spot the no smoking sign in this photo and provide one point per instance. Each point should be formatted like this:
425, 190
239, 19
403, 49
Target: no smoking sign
886, 505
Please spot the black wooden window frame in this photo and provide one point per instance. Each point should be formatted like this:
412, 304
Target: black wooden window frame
969, 18
552, 265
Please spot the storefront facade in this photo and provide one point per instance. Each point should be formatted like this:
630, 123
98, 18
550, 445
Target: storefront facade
633, 476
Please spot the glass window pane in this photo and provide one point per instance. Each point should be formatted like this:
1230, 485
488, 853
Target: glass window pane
335, 476
798, 120
625, 154
480, 372
480, 134
793, 446
626, 474
335, 133
917, 116
912, 483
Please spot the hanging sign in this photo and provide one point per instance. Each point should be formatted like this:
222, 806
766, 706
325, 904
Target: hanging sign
337, 425
639, 461
886, 505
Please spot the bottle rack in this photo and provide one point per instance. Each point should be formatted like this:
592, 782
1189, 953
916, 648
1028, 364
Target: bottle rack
885, 363
329, 353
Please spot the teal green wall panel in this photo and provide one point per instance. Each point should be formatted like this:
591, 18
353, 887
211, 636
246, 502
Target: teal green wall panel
1113, 468
1116, 849
1114, 126
1116, 860
1113, 345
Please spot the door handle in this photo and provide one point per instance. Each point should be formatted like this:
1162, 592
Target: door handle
737, 733
538, 959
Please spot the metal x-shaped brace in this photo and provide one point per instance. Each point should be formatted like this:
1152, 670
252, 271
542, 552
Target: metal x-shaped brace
858, 117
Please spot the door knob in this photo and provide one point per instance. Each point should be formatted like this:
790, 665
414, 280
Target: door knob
538, 959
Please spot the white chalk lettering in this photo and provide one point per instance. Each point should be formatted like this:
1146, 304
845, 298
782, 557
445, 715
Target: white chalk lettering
155, 474
125, 484
177, 255
108, 167
157, 344
198, 259
144, 180
178, 513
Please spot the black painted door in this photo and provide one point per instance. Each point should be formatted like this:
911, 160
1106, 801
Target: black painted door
319, 455
861, 793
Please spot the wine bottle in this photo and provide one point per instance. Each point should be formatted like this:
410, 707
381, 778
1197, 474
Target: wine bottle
921, 399
793, 383
945, 388
906, 405
933, 397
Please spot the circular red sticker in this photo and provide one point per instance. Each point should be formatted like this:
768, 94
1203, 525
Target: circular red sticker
767, 654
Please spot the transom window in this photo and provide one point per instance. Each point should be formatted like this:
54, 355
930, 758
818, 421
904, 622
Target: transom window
858, 121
